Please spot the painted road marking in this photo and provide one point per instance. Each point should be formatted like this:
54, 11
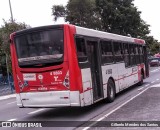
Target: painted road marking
155, 70
155, 86
116, 109
152, 82
12, 119
8, 96
33, 112
11, 102
140, 88
147, 85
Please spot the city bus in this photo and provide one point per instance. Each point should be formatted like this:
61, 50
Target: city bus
66, 65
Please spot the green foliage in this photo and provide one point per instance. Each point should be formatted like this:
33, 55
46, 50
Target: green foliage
121, 17
155, 48
115, 16
5, 31
58, 11
153, 45
79, 12
83, 13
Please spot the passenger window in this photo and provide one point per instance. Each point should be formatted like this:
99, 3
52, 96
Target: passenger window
141, 54
126, 55
137, 54
118, 51
81, 50
107, 53
132, 54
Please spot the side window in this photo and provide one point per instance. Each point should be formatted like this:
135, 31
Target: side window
118, 52
132, 54
137, 54
107, 53
141, 54
126, 54
81, 49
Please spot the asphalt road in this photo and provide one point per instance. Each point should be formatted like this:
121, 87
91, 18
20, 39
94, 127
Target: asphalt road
138, 103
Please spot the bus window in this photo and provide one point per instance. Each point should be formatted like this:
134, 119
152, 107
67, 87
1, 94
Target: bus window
107, 53
126, 55
81, 50
33, 51
41, 47
141, 54
137, 54
118, 51
132, 54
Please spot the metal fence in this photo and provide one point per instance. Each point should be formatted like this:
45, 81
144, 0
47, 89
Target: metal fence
6, 85
6, 79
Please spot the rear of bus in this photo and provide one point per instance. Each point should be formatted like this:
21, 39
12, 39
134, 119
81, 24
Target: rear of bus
44, 67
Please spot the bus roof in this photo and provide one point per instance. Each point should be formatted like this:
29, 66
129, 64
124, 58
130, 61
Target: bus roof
37, 28
106, 35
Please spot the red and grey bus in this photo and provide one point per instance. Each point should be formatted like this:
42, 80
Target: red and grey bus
67, 65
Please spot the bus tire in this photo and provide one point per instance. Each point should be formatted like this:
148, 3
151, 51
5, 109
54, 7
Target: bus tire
111, 92
141, 81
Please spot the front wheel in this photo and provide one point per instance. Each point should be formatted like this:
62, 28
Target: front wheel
111, 92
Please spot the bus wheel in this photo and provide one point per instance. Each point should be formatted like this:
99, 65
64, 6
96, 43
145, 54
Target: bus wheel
111, 91
141, 81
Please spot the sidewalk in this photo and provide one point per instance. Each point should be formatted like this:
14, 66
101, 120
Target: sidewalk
7, 96
6, 92
5, 89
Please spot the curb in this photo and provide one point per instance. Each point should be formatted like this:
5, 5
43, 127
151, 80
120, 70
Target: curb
7, 96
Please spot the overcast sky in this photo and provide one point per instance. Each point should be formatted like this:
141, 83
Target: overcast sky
38, 12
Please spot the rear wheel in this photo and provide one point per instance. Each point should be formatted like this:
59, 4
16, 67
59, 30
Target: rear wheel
111, 92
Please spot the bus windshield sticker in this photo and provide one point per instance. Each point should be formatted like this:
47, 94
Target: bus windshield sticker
29, 77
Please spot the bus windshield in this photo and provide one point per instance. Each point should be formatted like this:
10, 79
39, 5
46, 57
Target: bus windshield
40, 47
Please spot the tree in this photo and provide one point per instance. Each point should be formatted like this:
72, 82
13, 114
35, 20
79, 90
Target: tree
79, 12
155, 48
5, 31
115, 16
121, 17
58, 11
152, 44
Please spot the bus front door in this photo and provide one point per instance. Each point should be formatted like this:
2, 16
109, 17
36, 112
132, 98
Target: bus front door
95, 66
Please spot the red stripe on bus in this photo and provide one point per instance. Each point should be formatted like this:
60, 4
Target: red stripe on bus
87, 89
125, 77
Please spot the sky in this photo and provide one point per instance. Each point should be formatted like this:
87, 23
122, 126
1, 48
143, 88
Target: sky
39, 13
